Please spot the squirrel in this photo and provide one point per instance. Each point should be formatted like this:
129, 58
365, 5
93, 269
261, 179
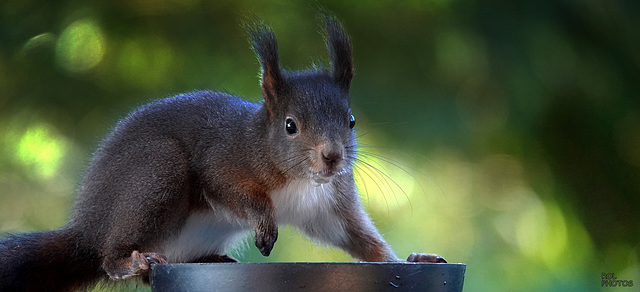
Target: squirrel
182, 179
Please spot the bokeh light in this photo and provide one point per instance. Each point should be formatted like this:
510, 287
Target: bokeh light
81, 46
41, 150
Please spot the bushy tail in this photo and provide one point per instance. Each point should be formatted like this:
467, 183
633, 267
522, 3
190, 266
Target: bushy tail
46, 261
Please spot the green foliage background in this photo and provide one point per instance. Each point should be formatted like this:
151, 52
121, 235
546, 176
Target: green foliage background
512, 127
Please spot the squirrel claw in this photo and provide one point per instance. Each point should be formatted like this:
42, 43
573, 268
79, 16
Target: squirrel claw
425, 258
138, 264
265, 242
144, 260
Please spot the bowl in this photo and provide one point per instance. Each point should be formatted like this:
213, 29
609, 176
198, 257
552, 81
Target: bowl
349, 277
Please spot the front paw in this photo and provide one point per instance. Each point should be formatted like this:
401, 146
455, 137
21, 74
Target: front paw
265, 240
425, 258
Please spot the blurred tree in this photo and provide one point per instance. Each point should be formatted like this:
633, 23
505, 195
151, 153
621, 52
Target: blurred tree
523, 118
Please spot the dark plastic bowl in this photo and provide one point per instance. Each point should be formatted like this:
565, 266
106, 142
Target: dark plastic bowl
349, 277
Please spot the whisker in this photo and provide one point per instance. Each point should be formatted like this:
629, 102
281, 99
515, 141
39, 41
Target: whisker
403, 166
351, 156
364, 170
359, 135
386, 179
297, 158
375, 176
393, 162
364, 183
379, 174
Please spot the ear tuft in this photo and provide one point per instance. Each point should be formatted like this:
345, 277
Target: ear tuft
264, 44
340, 50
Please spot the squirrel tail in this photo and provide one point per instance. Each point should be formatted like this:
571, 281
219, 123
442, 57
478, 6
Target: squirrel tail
46, 261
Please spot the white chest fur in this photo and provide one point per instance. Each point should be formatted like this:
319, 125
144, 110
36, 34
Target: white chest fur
301, 203
311, 208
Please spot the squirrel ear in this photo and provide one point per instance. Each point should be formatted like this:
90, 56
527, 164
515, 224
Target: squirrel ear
264, 44
339, 47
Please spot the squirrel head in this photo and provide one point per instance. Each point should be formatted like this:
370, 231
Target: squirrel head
311, 126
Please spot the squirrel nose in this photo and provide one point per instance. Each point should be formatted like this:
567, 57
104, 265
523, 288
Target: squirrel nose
331, 158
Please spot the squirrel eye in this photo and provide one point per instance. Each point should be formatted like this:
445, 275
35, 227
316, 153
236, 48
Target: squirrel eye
290, 126
352, 122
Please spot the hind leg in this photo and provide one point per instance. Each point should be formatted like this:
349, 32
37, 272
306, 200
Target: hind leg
136, 265
151, 194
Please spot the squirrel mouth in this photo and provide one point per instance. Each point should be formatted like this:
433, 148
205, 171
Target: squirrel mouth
324, 176
326, 173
